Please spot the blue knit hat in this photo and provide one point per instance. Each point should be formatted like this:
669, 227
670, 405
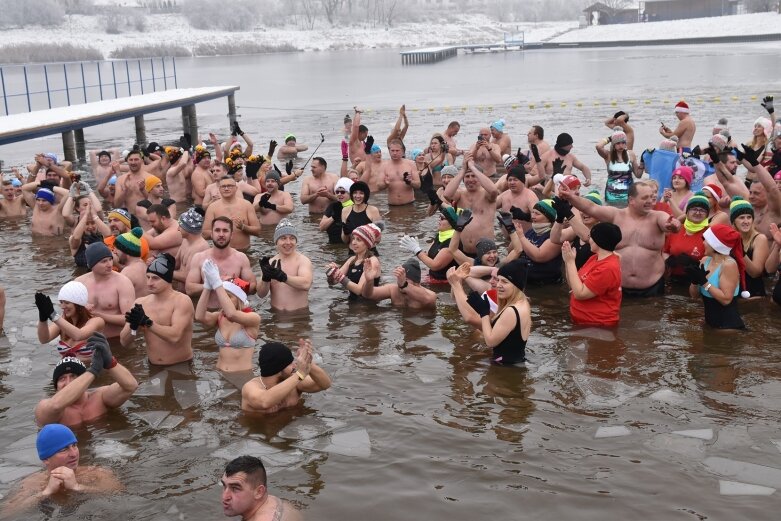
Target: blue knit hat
52, 439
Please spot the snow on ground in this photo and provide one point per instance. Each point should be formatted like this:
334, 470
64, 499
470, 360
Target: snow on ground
738, 25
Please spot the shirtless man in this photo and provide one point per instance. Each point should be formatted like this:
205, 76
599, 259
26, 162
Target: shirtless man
165, 316
155, 194
275, 203
288, 274
190, 227
101, 165
642, 264
500, 139
74, 403
405, 292
685, 129
200, 176
164, 234
517, 199
131, 186
232, 263
290, 149
245, 494
212, 192
318, 191
485, 154
48, 166
177, 173
561, 160
111, 294
399, 175
371, 170
47, 217
59, 453
128, 248
238, 210
449, 135
357, 134
535, 136
11, 205
480, 196
283, 379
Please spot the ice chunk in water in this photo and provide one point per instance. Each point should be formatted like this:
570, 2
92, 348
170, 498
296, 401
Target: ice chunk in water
430, 369
10, 473
238, 379
702, 434
310, 427
605, 393
252, 447
595, 333
733, 437
734, 488
382, 361
667, 396
114, 450
181, 368
171, 422
152, 418
186, 393
612, 432
748, 472
155, 386
777, 443
419, 321
347, 443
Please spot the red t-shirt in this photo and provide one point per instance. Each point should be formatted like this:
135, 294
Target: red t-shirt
603, 278
664, 207
681, 242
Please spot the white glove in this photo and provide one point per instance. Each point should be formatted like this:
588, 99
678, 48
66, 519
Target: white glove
410, 244
211, 275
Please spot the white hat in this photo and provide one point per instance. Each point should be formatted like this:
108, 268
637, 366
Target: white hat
74, 292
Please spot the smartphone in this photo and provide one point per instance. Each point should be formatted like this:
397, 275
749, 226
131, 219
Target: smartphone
480, 138
663, 125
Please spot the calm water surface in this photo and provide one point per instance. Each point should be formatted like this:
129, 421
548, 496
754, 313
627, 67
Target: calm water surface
417, 423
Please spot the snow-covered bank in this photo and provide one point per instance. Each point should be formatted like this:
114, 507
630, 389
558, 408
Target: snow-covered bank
738, 25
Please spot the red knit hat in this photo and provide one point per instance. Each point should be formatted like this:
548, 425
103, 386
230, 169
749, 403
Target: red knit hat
686, 172
715, 190
682, 106
727, 241
369, 233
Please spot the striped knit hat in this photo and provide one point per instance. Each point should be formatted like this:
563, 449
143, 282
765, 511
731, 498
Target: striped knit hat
369, 233
120, 214
594, 197
738, 207
698, 200
545, 206
130, 242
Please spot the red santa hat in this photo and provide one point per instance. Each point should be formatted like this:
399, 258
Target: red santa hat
682, 106
715, 190
727, 241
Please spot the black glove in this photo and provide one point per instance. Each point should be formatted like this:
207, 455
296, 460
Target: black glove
463, 220
713, 155
235, 129
367, 147
696, 274
681, 261
767, 103
277, 273
264, 202
521, 157
135, 317
272, 145
506, 220
289, 167
96, 366
558, 166
479, 304
407, 177
334, 210
563, 209
751, 155
266, 269
433, 198
45, 306
49, 185
697, 151
186, 141
520, 215
99, 342
252, 168
453, 223
535, 153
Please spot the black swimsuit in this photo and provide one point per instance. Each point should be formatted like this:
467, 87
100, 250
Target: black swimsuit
512, 349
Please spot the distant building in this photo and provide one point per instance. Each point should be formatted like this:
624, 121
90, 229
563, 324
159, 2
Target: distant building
658, 10
602, 14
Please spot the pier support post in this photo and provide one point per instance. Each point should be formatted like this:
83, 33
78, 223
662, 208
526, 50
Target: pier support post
68, 146
193, 118
185, 121
140, 131
231, 108
81, 149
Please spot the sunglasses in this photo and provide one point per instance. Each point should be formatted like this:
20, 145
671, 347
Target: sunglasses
340, 192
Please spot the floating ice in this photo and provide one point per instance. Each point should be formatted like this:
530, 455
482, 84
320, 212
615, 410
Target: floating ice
748, 472
181, 368
152, 418
777, 443
734, 488
186, 393
155, 386
382, 361
310, 427
595, 333
238, 448
667, 396
702, 434
692, 448
347, 443
733, 437
238, 379
419, 321
430, 369
112, 449
605, 393
171, 422
612, 432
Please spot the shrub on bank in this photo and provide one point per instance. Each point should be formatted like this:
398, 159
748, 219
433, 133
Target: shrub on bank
150, 51
234, 48
16, 13
47, 52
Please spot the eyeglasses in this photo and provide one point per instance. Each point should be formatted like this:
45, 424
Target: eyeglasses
340, 192
227, 186
697, 209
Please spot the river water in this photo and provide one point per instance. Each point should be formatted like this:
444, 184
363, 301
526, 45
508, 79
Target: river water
417, 422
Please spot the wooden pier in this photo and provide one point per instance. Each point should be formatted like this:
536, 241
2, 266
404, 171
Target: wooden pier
429, 55
70, 121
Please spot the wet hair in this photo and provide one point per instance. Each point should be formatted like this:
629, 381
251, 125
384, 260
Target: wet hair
321, 161
159, 210
538, 131
226, 220
723, 155
134, 151
454, 124
249, 465
633, 188
363, 128
396, 141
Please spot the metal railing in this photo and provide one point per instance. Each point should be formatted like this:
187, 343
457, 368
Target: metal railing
40, 86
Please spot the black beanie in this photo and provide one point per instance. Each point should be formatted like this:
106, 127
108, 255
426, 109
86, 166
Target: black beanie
563, 140
273, 358
606, 235
516, 272
68, 365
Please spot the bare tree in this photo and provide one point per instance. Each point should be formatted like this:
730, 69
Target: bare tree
309, 9
615, 5
330, 7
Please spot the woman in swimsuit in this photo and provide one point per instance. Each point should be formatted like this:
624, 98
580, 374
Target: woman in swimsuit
681, 190
620, 163
756, 249
74, 326
350, 274
237, 325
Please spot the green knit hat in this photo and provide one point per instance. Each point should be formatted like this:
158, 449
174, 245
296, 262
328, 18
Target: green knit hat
130, 242
594, 197
545, 206
698, 200
739, 206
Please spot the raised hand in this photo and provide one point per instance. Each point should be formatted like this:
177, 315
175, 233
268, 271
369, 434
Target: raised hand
235, 129
410, 244
558, 166
407, 177
135, 317
506, 220
433, 198
345, 150
751, 155
367, 147
289, 167
265, 203
266, 269
535, 153
463, 220
277, 273
45, 306
520, 215
479, 304
211, 275
272, 146
99, 342
767, 104
563, 209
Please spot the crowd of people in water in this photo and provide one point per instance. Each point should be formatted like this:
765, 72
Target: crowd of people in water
162, 235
